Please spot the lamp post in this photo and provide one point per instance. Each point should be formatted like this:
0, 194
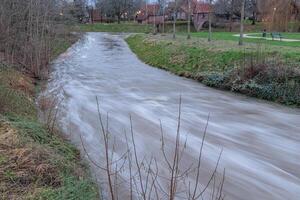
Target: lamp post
273, 17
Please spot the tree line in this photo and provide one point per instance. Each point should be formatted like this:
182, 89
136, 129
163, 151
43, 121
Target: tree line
29, 29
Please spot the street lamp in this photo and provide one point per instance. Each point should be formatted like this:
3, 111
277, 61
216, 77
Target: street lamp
273, 23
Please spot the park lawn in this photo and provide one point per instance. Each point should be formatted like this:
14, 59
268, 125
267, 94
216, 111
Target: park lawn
123, 27
268, 73
230, 36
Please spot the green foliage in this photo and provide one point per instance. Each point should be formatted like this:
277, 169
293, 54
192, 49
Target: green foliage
181, 58
9, 175
214, 80
3, 159
13, 101
72, 189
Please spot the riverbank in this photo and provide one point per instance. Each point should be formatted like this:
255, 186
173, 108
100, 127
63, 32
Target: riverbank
36, 162
263, 135
255, 69
132, 27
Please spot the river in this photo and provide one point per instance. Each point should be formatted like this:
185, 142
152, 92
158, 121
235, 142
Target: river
260, 140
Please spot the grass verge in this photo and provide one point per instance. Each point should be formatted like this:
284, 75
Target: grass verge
255, 69
35, 163
230, 36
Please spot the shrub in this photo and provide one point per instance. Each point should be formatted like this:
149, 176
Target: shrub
214, 80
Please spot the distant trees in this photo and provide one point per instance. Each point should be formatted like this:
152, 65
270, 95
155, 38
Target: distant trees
162, 11
278, 13
231, 8
79, 10
119, 8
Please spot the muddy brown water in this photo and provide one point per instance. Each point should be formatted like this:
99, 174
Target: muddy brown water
260, 140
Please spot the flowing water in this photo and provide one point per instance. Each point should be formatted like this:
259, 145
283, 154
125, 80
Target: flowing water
260, 140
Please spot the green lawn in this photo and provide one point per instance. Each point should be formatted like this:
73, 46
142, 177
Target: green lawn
230, 36
124, 27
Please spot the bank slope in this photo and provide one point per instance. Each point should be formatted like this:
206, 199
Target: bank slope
256, 70
34, 162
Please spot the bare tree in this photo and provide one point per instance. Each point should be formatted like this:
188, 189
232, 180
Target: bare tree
162, 4
119, 8
27, 31
145, 180
189, 19
174, 18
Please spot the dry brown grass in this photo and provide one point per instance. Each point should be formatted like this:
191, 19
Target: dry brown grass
16, 80
23, 167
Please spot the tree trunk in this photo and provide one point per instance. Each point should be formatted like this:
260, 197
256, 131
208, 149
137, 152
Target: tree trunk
209, 21
189, 20
242, 23
154, 21
254, 13
163, 25
174, 20
231, 16
119, 18
253, 18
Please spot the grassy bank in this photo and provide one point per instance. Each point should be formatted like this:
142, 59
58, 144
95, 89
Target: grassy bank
116, 28
256, 70
131, 27
221, 35
35, 163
